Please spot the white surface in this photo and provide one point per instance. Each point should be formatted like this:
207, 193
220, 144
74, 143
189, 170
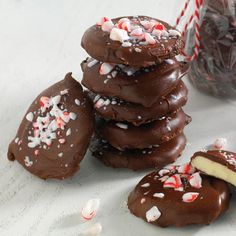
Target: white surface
39, 43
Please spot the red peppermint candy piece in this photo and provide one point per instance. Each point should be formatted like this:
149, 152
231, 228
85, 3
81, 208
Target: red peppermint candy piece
44, 101
195, 180
174, 182
90, 209
190, 197
125, 25
159, 26
186, 169
103, 19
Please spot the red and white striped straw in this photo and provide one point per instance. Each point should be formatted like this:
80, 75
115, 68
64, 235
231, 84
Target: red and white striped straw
182, 12
196, 17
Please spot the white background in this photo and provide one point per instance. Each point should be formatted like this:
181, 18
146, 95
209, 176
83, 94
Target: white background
39, 44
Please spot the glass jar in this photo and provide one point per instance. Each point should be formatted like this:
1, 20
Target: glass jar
214, 71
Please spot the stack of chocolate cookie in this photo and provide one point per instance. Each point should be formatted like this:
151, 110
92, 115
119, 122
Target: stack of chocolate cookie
135, 81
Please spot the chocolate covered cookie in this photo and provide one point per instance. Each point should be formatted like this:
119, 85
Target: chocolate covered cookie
179, 196
55, 132
120, 110
124, 135
143, 86
137, 159
132, 40
218, 163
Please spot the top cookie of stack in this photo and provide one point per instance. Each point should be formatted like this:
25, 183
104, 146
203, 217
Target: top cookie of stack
135, 41
134, 78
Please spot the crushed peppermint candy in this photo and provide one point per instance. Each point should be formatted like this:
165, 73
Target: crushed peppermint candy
105, 68
174, 182
92, 63
30, 116
17, 140
143, 200
153, 214
177, 177
159, 195
220, 143
90, 209
186, 169
190, 197
60, 154
77, 102
145, 185
135, 31
119, 35
28, 162
94, 230
51, 120
122, 125
68, 132
195, 180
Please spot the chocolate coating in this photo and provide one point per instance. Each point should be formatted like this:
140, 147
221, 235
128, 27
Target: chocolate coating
122, 136
121, 110
137, 159
145, 87
175, 208
55, 132
98, 44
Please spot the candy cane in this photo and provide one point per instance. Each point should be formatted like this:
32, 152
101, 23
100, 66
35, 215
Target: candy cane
196, 17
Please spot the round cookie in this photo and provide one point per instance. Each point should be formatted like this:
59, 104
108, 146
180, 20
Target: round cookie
143, 86
179, 196
55, 132
126, 136
120, 110
135, 41
137, 159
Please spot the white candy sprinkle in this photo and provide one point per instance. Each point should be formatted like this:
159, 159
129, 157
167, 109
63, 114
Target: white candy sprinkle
119, 35
114, 73
16, 140
170, 61
153, 214
145, 185
28, 162
138, 50
90, 209
107, 26
92, 63
174, 33
106, 68
30, 116
149, 38
220, 143
95, 230
163, 172
68, 132
159, 195
60, 154
126, 44
77, 102
63, 92
72, 115
143, 200
122, 125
